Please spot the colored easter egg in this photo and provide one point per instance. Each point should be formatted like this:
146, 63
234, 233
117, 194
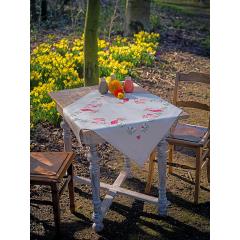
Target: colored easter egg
113, 85
103, 86
128, 85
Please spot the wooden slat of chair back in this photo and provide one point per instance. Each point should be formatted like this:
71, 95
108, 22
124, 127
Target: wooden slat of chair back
190, 77
194, 77
193, 104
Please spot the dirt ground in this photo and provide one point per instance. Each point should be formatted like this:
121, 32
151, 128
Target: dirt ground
128, 218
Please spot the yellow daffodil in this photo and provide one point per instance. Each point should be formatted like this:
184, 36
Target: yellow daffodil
59, 65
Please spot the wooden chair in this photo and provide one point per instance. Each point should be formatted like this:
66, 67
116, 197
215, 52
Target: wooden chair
49, 168
190, 136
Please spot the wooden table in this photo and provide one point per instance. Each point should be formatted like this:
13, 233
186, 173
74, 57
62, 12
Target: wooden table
66, 97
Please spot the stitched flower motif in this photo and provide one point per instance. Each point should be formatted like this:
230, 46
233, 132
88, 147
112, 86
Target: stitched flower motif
117, 121
131, 130
155, 110
150, 115
140, 100
99, 121
144, 127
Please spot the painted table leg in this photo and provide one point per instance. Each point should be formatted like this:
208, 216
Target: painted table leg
127, 167
95, 183
66, 136
162, 165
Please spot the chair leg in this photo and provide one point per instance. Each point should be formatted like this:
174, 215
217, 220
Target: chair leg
71, 189
150, 171
208, 164
198, 174
208, 170
170, 158
56, 206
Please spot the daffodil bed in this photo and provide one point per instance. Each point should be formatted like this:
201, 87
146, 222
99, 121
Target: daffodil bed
57, 66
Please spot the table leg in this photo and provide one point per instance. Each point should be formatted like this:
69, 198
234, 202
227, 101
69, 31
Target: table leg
162, 165
94, 169
66, 136
127, 166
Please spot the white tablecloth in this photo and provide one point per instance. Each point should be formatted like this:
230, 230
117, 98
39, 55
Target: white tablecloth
133, 125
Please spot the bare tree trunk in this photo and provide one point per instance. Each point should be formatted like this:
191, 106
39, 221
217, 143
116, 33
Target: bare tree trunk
62, 5
137, 16
34, 16
44, 10
91, 73
114, 16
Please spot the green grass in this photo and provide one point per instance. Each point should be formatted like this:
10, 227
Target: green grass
190, 17
184, 7
179, 24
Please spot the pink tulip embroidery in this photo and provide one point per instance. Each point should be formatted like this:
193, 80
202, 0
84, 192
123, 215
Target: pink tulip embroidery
99, 120
150, 115
113, 122
138, 137
125, 100
91, 107
154, 110
94, 105
87, 110
117, 120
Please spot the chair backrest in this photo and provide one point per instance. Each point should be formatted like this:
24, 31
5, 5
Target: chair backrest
190, 77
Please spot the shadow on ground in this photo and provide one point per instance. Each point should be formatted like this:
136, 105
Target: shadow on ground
137, 222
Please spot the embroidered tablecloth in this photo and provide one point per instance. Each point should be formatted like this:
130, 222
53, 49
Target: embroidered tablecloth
133, 125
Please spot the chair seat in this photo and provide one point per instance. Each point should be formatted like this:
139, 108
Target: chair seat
49, 166
188, 134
